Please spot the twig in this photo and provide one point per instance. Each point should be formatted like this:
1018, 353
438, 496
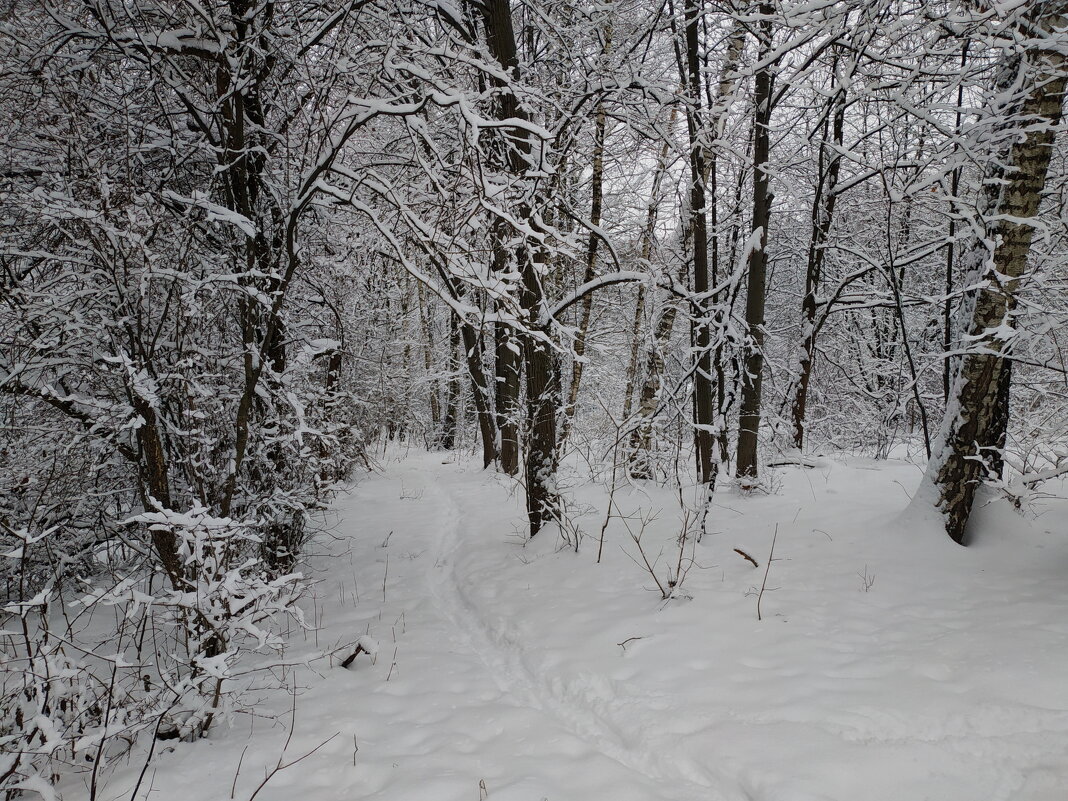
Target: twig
393, 665
764, 583
280, 765
240, 759
746, 557
385, 575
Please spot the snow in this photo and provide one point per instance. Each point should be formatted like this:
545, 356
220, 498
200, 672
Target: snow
891, 664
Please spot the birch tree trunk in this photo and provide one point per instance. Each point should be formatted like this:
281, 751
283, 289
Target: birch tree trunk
641, 438
1033, 78
652, 210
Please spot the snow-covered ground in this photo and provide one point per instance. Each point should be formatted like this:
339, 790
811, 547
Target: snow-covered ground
890, 664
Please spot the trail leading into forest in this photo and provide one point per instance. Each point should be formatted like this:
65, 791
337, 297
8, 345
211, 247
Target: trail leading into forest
502, 653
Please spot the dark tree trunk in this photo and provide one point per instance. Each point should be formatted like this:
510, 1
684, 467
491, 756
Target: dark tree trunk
597, 192
951, 250
704, 414
487, 426
822, 219
452, 391
749, 424
156, 490
543, 402
543, 392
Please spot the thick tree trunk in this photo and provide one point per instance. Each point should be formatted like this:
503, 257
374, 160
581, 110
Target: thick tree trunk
543, 402
543, 382
704, 414
976, 418
749, 423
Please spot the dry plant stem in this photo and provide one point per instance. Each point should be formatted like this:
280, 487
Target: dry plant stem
385, 575
393, 664
280, 765
767, 568
611, 496
100, 747
237, 772
664, 593
682, 552
151, 751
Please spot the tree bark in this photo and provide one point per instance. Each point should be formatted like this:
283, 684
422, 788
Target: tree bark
749, 423
976, 418
641, 435
596, 199
822, 219
452, 389
508, 373
428, 351
543, 393
707, 464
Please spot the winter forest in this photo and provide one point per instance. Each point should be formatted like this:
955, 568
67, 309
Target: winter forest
533, 400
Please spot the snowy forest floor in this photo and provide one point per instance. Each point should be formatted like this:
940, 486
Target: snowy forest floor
889, 664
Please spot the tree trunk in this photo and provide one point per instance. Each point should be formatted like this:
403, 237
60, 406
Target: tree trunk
707, 464
543, 393
749, 423
597, 195
543, 401
487, 426
508, 354
951, 250
452, 391
822, 219
635, 352
640, 437
976, 417
428, 353
155, 489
